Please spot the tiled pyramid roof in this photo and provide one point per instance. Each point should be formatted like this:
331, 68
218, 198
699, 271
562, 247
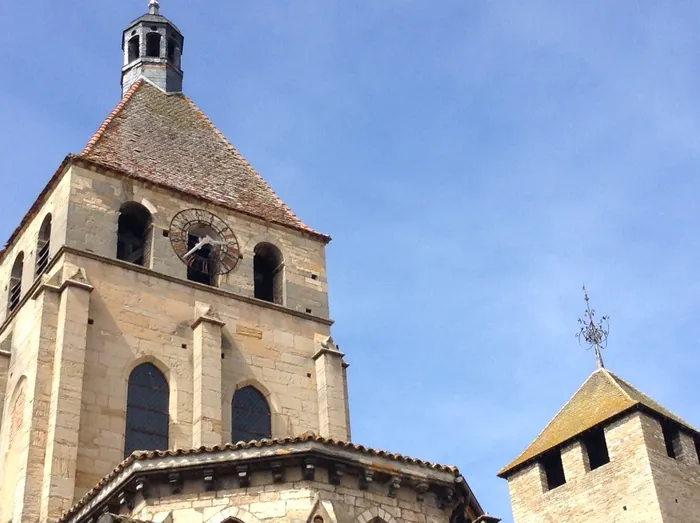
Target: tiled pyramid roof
601, 397
165, 139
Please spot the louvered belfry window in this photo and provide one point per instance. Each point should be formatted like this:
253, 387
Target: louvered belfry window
43, 246
15, 287
250, 416
147, 403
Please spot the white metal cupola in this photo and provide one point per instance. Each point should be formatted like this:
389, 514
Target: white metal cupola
152, 47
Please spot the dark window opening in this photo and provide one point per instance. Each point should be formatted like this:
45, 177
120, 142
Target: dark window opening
696, 440
268, 273
43, 246
173, 53
153, 45
15, 294
134, 45
596, 448
672, 439
554, 469
147, 418
133, 234
201, 265
250, 416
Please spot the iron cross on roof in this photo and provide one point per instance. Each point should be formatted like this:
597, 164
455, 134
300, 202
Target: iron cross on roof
594, 334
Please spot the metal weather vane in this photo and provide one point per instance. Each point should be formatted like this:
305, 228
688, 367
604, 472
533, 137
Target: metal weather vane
594, 334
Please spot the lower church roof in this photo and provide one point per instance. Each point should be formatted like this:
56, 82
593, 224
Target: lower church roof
278, 449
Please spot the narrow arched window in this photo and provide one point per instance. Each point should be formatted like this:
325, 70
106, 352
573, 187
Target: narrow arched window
15, 294
43, 246
147, 403
173, 53
134, 45
133, 234
250, 416
268, 273
153, 45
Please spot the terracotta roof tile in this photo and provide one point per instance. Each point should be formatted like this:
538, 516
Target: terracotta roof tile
166, 139
146, 455
601, 397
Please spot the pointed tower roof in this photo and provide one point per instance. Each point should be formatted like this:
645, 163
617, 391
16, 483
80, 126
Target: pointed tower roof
166, 140
602, 396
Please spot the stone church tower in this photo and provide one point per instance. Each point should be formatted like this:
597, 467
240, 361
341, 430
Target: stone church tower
165, 344
611, 454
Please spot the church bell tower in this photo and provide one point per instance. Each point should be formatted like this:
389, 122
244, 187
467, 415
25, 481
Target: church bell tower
152, 47
165, 338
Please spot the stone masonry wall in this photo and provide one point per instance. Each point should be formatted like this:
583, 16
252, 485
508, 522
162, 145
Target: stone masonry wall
140, 317
621, 491
294, 501
677, 480
134, 317
94, 213
56, 204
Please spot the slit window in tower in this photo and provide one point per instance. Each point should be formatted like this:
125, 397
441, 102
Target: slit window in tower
553, 469
153, 45
672, 439
596, 448
134, 44
173, 52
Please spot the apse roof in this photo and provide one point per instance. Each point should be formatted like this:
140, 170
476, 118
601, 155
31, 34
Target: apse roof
283, 446
601, 397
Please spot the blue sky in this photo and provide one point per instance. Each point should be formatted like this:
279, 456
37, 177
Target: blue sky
475, 161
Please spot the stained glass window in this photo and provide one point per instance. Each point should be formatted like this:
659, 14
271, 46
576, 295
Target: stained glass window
250, 416
147, 417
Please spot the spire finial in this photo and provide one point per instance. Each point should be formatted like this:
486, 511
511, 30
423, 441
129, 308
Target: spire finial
594, 334
154, 7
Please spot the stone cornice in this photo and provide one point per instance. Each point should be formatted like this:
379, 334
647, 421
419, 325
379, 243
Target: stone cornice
238, 465
207, 319
331, 352
200, 286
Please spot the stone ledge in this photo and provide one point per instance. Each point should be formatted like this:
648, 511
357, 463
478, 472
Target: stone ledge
199, 286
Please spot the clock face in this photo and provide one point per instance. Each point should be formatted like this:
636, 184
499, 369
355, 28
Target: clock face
204, 242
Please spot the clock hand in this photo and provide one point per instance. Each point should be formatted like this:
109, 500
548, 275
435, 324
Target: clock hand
199, 245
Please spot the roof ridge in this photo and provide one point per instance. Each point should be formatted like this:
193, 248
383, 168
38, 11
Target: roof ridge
110, 118
552, 420
240, 157
649, 402
614, 379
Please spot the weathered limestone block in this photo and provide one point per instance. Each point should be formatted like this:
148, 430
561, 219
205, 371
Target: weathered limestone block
206, 408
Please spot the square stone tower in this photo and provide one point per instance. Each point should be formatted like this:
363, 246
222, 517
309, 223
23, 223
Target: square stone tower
611, 454
165, 344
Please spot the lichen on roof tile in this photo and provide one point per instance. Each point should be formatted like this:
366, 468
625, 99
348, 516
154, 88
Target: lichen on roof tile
601, 397
166, 139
